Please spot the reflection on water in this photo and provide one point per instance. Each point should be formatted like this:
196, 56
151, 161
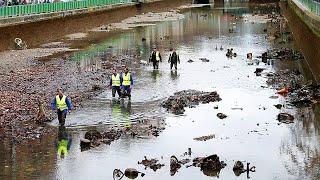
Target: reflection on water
120, 115
64, 142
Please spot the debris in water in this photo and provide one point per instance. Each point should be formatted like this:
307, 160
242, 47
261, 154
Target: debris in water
210, 165
204, 59
221, 115
188, 98
151, 163
238, 168
190, 61
204, 138
285, 118
278, 106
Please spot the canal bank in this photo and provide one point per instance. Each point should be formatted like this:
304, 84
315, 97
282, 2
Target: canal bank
37, 33
306, 29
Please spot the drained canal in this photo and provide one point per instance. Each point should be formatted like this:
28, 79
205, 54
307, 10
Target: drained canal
250, 132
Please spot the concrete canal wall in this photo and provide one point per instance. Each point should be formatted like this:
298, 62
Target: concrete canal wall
311, 18
14, 19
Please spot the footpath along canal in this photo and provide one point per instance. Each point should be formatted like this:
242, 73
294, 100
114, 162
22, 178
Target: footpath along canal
250, 132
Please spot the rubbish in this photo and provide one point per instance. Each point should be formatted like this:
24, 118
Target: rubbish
96, 87
143, 62
210, 165
278, 106
188, 98
230, 53
85, 144
204, 138
258, 71
285, 118
215, 107
151, 163
283, 91
221, 115
249, 56
204, 59
189, 151
41, 116
175, 164
132, 173
238, 168
190, 61
20, 44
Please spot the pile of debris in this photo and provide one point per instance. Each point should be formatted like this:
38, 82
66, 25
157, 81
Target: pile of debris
210, 165
94, 138
151, 163
188, 98
282, 54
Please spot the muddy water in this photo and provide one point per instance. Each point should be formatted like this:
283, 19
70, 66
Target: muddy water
279, 151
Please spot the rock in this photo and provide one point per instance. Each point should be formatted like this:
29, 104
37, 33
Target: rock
204, 138
285, 118
221, 115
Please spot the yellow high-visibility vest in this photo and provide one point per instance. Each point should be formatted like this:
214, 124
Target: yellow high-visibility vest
61, 103
115, 80
157, 56
126, 79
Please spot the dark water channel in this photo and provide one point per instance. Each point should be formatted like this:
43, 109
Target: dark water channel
279, 151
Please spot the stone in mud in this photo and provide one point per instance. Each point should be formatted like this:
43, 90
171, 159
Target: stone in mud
238, 168
285, 118
188, 98
221, 116
204, 138
151, 163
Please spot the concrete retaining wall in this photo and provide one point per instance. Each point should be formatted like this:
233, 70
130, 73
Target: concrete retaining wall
11, 21
312, 20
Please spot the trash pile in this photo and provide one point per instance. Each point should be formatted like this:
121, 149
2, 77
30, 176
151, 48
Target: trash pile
188, 98
282, 54
151, 163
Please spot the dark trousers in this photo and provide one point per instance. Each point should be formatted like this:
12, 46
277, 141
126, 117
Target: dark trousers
127, 91
155, 64
174, 64
62, 116
116, 89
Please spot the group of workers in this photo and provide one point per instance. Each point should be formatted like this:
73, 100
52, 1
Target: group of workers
120, 83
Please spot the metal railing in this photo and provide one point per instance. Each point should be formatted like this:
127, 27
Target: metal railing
312, 5
31, 9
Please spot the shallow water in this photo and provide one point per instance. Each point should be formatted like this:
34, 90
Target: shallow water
252, 134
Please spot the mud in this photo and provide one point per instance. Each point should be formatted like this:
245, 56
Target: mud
188, 98
141, 20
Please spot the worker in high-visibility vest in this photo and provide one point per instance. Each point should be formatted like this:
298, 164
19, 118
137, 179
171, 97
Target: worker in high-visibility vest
62, 104
155, 58
127, 82
115, 83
